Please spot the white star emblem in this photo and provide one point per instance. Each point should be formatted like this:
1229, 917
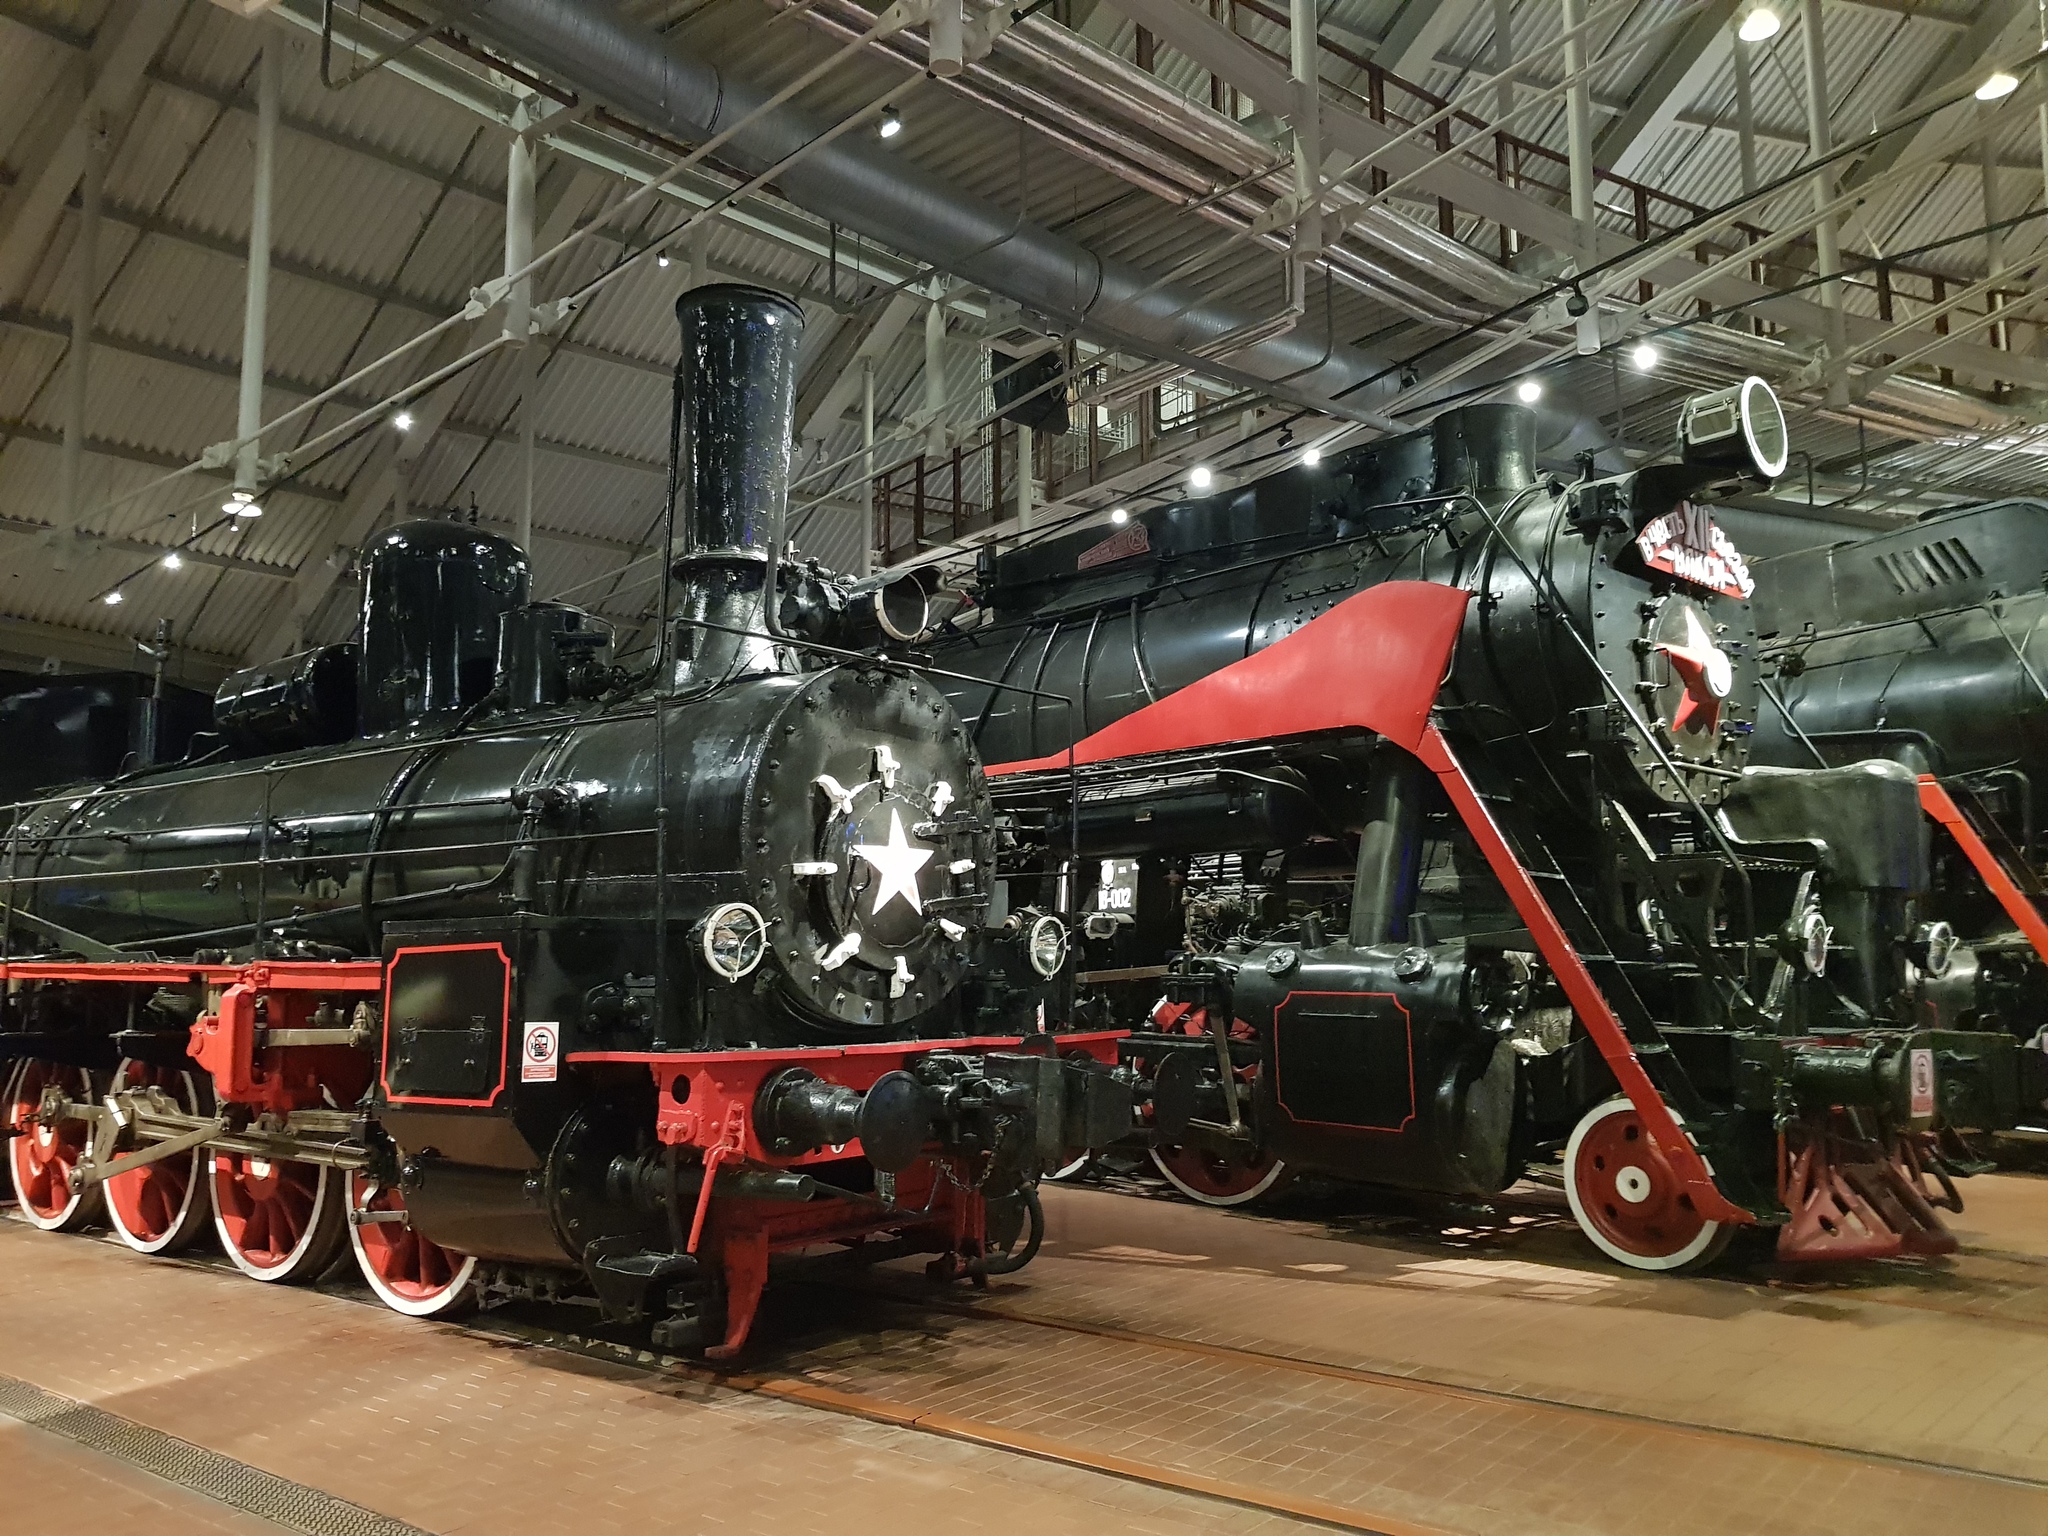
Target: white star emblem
897, 863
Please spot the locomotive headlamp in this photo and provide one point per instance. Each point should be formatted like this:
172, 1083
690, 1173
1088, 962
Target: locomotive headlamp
1045, 942
734, 939
1804, 940
1931, 948
1740, 428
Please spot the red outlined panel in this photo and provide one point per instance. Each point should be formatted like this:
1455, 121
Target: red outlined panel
1280, 1060
504, 1003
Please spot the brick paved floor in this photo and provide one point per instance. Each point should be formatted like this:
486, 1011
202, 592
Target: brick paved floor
1416, 1346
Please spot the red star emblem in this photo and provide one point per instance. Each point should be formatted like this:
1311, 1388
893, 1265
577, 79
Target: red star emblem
1707, 673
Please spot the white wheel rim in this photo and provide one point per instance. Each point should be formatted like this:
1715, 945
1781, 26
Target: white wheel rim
1205, 1197
194, 1189
288, 1267
456, 1292
1708, 1232
43, 1137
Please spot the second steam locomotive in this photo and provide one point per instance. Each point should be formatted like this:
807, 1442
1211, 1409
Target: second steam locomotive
1415, 787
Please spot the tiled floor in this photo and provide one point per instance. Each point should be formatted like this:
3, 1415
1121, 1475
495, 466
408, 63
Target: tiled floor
1384, 1374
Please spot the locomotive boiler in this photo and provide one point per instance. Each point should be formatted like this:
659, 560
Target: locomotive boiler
1414, 791
1925, 645
525, 973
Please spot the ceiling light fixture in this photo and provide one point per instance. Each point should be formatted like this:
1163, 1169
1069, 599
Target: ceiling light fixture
1200, 478
661, 258
1529, 391
114, 599
402, 421
242, 504
1997, 85
1311, 456
891, 124
1119, 516
1759, 24
174, 561
1644, 357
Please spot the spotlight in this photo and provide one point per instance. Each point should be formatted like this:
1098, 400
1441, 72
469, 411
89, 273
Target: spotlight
1576, 304
1996, 85
402, 421
1529, 391
661, 258
242, 504
1644, 357
1200, 478
174, 561
891, 123
1759, 24
1119, 516
114, 599
1311, 456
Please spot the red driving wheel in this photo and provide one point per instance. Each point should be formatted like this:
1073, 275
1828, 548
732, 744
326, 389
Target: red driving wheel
409, 1273
40, 1157
1214, 1178
161, 1207
279, 1221
1628, 1200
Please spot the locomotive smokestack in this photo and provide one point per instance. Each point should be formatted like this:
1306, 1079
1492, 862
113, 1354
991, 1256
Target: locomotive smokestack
735, 397
1489, 450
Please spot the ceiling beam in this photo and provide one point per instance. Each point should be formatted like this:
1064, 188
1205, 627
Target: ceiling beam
222, 368
103, 83
1674, 83
2002, 31
151, 458
1213, 47
33, 642
1422, 30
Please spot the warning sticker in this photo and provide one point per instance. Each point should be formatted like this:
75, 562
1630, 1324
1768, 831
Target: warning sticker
541, 1055
1920, 1083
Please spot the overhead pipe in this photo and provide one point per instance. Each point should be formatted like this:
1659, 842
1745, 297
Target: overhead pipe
856, 183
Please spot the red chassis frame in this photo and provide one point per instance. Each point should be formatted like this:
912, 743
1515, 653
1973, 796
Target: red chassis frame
1376, 662
706, 1104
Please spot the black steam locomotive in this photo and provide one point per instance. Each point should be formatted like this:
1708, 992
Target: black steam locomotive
1926, 646
1429, 936
525, 973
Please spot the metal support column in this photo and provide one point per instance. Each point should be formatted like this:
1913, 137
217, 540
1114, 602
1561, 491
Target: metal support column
1579, 143
84, 299
519, 179
256, 298
935, 368
867, 466
1305, 57
1024, 471
1820, 140
1745, 114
